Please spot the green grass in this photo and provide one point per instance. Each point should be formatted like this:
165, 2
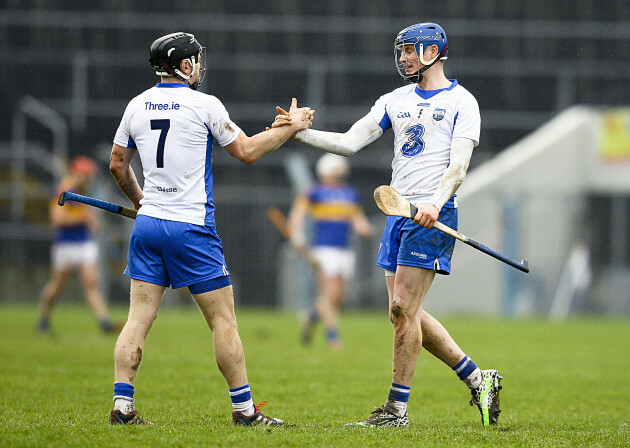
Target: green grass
566, 384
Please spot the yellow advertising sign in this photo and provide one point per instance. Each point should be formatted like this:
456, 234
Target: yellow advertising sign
614, 145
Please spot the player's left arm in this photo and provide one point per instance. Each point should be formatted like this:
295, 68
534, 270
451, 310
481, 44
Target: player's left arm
362, 226
461, 152
120, 167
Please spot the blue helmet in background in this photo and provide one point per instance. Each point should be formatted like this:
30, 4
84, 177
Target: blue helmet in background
421, 36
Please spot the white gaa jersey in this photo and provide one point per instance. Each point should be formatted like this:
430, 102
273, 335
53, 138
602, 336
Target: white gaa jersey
173, 128
424, 124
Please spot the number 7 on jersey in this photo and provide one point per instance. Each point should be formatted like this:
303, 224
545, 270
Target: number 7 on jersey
163, 126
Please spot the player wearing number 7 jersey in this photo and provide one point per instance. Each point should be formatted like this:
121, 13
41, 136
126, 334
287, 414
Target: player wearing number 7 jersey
436, 124
174, 241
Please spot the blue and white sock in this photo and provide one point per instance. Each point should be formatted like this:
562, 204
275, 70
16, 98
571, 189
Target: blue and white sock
398, 398
242, 400
468, 372
123, 398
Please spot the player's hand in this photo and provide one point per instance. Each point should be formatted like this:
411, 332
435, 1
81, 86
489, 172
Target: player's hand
282, 119
427, 215
301, 118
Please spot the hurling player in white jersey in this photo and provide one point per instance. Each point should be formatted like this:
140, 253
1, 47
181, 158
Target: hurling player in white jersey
436, 125
174, 241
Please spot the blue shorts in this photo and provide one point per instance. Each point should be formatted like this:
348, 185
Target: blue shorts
406, 243
175, 253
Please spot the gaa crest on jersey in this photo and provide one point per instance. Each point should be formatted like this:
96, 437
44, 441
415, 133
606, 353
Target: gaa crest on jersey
438, 114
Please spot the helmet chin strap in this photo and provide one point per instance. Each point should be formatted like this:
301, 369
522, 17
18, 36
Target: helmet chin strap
184, 78
430, 62
427, 65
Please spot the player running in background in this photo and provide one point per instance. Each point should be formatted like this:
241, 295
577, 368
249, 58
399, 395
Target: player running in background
436, 124
74, 248
174, 240
335, 209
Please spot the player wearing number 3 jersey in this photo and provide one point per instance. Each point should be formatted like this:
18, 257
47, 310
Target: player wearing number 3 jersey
436, 125
174, 241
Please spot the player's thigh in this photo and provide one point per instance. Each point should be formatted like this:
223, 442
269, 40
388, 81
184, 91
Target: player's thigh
216, 304
332, 286
428, 248
89, 275
194, 256
145, 258
410, 287
145, 301
61, 275
390, 243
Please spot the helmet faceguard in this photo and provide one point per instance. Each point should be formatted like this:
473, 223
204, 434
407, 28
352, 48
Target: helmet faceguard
169, 51
421, 36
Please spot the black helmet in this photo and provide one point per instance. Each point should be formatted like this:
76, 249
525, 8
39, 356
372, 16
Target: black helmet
169, 51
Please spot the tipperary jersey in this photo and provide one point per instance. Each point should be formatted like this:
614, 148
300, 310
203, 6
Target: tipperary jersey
173, 128
424, 123
332, 209
76, 233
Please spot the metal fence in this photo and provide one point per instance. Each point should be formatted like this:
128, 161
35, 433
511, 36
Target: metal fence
73, 70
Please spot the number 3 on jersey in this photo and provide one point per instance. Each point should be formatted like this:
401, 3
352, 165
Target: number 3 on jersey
414, 144
163, 126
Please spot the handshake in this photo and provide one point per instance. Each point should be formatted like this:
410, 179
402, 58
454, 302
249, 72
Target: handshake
301, 117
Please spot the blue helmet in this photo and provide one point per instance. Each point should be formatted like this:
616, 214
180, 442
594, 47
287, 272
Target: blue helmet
421, 36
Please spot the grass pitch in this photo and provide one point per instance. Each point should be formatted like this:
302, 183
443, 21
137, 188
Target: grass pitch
566, 384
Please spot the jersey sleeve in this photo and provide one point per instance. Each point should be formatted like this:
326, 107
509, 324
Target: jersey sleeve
123, 136
379, 112
468, 119
222, 128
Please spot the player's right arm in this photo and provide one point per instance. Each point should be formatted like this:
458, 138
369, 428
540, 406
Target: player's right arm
297, 217
361, 134
120, 167
250, 149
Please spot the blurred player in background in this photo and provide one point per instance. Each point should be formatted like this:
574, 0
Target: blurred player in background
174, 240
335, 210
74, 248
436, 125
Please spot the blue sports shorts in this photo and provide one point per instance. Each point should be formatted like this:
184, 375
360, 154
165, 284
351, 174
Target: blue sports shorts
177, 254
406, 243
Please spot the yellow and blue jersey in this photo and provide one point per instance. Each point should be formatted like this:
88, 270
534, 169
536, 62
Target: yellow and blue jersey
76, 233
332, 209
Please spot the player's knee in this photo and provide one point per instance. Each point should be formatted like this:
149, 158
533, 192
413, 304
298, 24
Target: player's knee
225, 321
399, 311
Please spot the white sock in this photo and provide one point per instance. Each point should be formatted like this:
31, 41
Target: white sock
246, 407
474, 379
400, 407
124, 404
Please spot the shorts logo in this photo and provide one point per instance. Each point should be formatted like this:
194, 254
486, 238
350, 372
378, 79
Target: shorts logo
416, 254
438, 114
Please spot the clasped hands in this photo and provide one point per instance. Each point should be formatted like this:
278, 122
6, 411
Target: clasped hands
301, 117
